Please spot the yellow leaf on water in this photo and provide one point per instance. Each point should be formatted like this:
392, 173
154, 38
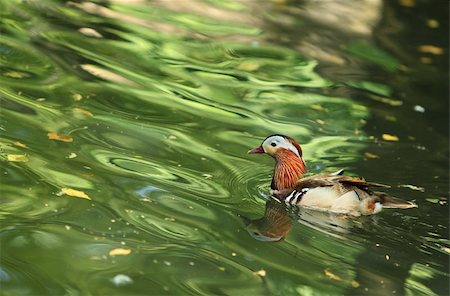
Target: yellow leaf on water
446, 250
432, 23
107, 75
90, 32
431, 49
388, 137
332, 275
317, 107
72, 155
77, 97
370, 155
18, 144
391, 118
119, 251
74, 193
407, 3
248, 66
412, 187
15, 74
17, 157
60, 137
82, 111
320, 121
261, 273
355, 284
385, 100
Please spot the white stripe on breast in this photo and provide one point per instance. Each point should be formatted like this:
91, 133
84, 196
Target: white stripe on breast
289, 197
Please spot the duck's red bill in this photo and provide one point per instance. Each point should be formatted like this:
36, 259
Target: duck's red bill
256, 150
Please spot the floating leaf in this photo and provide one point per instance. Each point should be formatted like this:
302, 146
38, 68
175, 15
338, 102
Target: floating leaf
332, 275
412, 187
19, 144
419, 109
385, 100
432, 23
72, 155
446, 250
320, 121
74, 193
119, 251
248, 66
261, 273
388, 137
431, 49
391, 118
82, 111
370, 155
207, 176
355, 284
317, 107
407, 3
121, 280
77, 97
90, 32
17, 157
432, 200
15, 74
107, 75
60, 137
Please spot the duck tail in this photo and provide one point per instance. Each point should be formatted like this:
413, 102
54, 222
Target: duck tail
390, 202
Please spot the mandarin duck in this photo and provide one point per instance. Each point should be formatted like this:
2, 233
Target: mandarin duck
333, 192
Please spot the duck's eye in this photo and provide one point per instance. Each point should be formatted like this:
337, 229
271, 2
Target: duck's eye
273, 144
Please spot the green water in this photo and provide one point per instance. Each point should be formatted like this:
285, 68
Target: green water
160, 101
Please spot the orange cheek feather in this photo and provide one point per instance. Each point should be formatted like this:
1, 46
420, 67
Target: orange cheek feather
288, 170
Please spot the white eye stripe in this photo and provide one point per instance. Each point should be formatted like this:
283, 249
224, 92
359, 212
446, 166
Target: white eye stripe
280, 142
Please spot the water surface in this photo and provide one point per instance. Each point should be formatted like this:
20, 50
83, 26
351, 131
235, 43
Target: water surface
148, 109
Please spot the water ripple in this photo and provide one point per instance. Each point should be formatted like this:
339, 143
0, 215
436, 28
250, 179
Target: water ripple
162, 100
167, 176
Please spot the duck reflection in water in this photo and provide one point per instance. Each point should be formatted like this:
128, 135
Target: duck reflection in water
279, 218
274, 225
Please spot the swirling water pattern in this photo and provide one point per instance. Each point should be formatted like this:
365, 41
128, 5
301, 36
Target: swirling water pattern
162, 102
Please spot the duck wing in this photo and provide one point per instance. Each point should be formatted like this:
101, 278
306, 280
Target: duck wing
340, 193
324, 180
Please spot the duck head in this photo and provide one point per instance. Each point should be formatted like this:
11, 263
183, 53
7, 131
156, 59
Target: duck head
289, 162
